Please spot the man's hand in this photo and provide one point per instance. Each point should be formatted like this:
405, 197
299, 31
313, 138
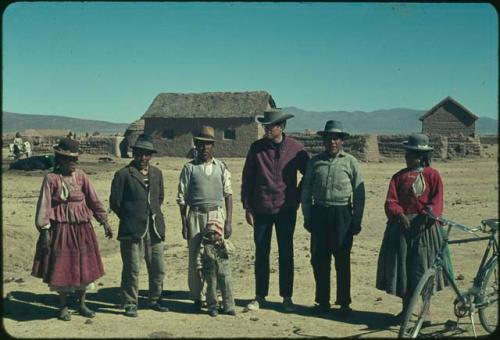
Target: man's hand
249, 217
228, 229
355, 228
184, 228
45, 239
107, 230
404, 222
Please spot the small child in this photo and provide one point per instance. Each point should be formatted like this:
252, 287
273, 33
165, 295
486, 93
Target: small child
213, 262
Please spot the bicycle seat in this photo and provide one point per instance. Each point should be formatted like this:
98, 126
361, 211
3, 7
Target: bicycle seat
492, 223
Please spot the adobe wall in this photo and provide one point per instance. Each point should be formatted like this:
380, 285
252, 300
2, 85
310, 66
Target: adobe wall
246, 131
371, 148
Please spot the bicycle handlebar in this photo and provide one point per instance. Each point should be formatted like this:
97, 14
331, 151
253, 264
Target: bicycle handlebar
446, 221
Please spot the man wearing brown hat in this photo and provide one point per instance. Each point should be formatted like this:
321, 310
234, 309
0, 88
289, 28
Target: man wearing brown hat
136, 196
270, 196
333, 199
204, 187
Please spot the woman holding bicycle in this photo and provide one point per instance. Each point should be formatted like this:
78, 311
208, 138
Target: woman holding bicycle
411, 240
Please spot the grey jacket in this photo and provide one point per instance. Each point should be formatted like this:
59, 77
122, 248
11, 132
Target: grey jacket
133, 203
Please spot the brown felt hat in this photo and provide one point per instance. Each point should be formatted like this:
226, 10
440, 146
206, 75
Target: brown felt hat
68, 147
206, 133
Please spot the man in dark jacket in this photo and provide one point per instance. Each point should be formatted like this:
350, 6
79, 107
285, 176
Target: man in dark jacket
136, 196
270, 196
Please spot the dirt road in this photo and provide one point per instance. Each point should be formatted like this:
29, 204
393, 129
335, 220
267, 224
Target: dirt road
471, 194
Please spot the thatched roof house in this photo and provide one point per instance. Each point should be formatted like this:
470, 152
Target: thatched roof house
449, 118
173, 118
130, 136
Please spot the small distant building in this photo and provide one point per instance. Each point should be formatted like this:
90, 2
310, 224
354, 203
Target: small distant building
449, 118
173, 118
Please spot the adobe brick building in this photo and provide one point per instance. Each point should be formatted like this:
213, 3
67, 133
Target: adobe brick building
449, 118
173, 118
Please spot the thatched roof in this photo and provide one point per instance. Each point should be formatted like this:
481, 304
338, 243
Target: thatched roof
137, 125
209, 104
448, 100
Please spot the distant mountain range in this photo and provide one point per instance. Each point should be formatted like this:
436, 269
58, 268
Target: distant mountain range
391, 121
12, 122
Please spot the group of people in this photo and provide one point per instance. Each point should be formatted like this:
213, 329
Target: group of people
331, 193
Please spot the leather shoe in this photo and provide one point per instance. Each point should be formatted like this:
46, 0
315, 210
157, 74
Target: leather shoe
320, 309
131, 311
345, 310
158, 307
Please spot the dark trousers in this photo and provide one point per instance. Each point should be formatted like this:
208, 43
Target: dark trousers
262, 232
331, 235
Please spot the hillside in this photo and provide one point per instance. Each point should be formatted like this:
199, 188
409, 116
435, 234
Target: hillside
12, 122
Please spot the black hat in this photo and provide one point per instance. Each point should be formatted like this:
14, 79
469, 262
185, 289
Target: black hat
273, 116
68, 147
333, 126
418, 142
144, 142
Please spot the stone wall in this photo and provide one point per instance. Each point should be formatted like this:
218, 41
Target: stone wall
489, 139
363, 147
96, 145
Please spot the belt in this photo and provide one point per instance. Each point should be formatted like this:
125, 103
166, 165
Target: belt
204, 208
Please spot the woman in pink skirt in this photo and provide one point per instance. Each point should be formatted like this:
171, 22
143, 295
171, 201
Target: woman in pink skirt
67, 254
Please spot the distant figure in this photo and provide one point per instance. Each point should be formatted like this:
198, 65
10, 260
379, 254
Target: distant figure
27, 149
18, 146
70, 135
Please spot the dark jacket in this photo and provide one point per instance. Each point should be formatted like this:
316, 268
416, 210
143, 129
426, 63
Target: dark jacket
269, 180
129, 200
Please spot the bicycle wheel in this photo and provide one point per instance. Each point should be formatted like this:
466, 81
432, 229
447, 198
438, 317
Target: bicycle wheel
419, 305
488, 313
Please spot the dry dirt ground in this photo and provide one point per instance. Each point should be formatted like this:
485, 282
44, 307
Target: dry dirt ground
29, 308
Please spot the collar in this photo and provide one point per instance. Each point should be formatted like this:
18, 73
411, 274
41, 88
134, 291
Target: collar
341, 154
199, 161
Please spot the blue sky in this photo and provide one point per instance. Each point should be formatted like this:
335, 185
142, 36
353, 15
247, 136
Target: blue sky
108, 61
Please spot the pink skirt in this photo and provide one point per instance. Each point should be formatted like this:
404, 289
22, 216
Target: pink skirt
73, 258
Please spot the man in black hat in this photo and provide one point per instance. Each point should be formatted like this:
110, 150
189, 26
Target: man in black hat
333, 199
136, 197
270, 196
204, 187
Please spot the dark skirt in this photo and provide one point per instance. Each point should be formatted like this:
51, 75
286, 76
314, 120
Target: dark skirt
405, 256
73, 259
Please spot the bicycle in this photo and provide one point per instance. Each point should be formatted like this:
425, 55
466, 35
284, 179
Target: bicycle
481, 297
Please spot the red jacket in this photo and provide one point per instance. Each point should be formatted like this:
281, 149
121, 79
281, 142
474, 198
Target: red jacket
401, 199
269, 181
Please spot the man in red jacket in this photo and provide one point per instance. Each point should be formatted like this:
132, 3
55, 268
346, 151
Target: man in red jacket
270, 196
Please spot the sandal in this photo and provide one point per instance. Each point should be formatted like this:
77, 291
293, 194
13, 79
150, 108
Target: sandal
64, 314
86, 312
